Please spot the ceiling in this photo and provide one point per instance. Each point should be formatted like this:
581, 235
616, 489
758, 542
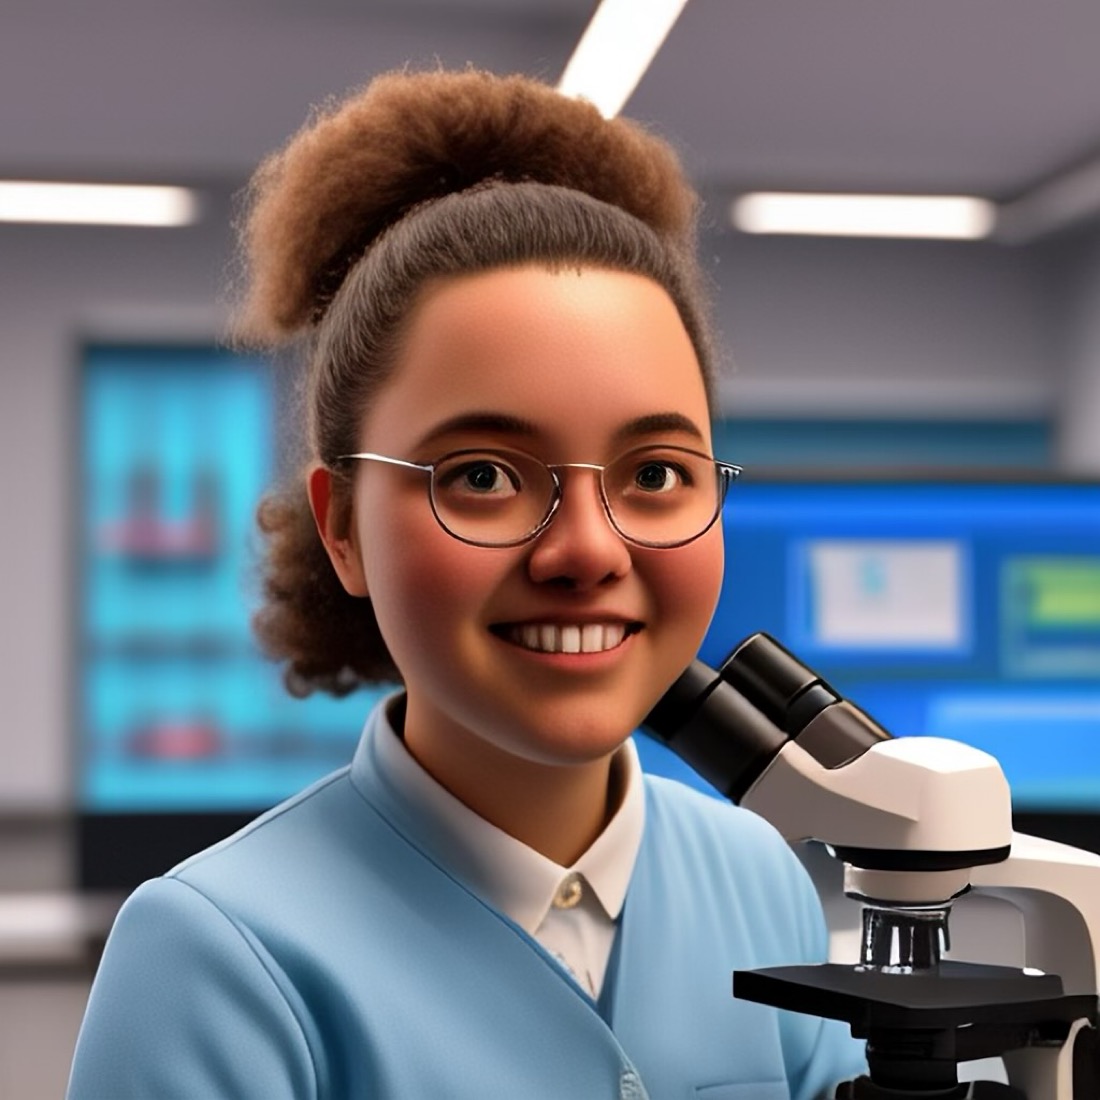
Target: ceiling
992, 97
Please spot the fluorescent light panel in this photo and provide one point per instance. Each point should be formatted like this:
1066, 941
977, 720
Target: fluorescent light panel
615, 50
953, 217
96, 204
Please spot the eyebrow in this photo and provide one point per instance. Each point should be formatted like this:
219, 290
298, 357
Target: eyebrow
657, 423
506, 424
498, 423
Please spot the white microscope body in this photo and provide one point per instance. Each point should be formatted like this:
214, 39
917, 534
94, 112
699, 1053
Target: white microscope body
925, 886
1038, 909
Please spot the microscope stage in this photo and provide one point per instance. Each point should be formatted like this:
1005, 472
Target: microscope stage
950, 995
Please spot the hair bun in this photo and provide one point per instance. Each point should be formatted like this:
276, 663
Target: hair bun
356, 167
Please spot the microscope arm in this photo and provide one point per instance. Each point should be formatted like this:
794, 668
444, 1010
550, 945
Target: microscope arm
1056, 888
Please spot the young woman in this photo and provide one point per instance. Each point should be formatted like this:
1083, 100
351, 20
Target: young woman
510, 507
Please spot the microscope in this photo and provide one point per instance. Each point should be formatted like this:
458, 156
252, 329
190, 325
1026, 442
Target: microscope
899, 834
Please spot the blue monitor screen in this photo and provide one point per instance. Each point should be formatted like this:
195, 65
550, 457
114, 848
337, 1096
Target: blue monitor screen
960, 609
177, 711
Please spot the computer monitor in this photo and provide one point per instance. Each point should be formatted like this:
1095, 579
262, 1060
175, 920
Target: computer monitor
961, 607
956, 606
183, 731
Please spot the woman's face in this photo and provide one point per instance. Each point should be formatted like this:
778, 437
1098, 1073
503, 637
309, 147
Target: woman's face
570, 366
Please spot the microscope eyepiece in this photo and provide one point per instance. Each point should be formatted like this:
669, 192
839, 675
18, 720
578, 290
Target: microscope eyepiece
802, 704
716, 730
777, 683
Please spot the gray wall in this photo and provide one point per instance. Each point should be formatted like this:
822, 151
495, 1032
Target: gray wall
882, 328
1078, 281
813, 327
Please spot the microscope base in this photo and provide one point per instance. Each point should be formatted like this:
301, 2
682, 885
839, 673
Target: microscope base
865, 1089
920, 1024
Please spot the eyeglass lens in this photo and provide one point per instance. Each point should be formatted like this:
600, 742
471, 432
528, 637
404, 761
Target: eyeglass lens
657, 496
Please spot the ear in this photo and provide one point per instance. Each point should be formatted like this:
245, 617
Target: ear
342, 547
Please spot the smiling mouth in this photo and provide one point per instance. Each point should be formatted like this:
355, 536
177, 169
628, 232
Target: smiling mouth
567, 638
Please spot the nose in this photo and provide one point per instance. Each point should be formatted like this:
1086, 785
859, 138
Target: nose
579, 549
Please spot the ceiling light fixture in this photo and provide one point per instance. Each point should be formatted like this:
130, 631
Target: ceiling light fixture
951, 217
96, 204
615, 50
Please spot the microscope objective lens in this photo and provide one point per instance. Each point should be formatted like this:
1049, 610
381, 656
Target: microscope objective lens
902, 940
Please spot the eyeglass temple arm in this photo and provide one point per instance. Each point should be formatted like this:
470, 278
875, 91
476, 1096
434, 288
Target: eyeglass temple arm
384, 458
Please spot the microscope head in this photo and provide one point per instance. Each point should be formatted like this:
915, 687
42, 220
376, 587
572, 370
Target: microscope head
908, 817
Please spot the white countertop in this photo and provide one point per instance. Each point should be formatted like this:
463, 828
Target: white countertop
53, 927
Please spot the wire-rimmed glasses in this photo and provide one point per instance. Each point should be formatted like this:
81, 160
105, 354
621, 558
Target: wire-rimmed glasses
655, 496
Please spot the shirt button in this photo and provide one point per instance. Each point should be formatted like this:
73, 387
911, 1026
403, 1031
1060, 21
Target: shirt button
569, 893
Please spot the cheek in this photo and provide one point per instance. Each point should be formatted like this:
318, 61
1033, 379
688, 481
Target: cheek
424, 585
689, 586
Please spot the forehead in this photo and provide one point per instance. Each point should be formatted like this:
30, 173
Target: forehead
576, 353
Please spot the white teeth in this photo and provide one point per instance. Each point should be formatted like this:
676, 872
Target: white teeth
586, 638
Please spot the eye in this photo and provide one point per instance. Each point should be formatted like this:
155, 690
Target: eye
484, 476
659, 477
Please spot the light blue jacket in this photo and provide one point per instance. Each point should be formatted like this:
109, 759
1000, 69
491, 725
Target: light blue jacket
326, 952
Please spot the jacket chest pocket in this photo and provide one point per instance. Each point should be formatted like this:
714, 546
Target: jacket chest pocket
745, 1090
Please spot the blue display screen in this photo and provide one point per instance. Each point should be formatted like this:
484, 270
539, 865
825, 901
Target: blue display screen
177, 710
961, 610
952, 609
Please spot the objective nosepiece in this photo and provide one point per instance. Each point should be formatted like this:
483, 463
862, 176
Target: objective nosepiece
900, 940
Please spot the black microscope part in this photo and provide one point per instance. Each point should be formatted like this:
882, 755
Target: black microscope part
695, 719
730, 724
832, 730
920, 1025
773, 680
863, 1088
885, 859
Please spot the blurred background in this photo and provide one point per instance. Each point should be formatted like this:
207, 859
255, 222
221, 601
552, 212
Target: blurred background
920, 419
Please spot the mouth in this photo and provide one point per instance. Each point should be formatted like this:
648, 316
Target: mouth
567, 637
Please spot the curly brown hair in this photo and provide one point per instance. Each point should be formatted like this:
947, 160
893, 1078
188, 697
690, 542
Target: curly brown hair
417, 177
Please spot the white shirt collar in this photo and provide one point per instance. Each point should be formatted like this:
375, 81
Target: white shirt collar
510, 876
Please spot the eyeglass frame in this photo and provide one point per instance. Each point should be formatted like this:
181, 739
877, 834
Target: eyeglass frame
728, 472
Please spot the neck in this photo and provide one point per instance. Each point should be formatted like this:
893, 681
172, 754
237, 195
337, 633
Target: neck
556, 809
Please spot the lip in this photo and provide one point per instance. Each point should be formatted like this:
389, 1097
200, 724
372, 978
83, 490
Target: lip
631, 624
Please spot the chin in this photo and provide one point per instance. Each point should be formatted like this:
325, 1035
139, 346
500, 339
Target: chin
567, 736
